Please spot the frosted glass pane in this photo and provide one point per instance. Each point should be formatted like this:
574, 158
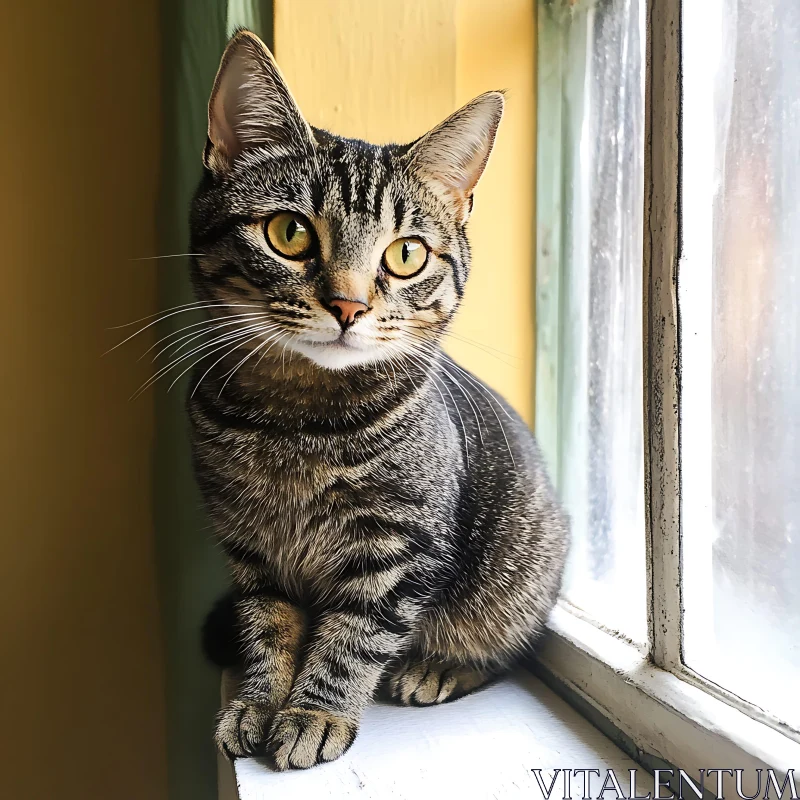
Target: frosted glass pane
739, 292
598, 411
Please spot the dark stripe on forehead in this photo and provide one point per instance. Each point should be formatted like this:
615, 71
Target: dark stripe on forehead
342, 173
399, 211
380, 189
297, 194
317, 196
384, 172
417, 219
362, 174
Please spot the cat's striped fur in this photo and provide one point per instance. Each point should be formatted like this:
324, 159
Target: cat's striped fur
387, 517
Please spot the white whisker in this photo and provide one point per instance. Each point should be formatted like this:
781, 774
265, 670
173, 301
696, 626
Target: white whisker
473, 407
210, 324
175, 362
222, 358
255, 366
458, 412
254, 319
236, 346
476, 412
171, 255
493, 400
485, 348
195, 304
161, 319
249, 355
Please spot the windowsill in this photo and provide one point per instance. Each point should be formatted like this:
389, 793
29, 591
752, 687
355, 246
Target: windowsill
487, 744
482, 746
663, 715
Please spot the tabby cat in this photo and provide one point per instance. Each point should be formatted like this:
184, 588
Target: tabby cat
387, 517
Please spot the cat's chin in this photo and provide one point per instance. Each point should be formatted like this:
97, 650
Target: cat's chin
336, 355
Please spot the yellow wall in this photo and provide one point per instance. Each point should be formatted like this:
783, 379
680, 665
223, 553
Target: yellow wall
80, 660
497, 50
388, 71
80, 668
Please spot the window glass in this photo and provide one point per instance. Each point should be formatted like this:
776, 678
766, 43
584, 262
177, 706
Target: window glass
739, 294
589, 297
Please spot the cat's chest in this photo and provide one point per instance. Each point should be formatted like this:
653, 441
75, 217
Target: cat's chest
290, 510
302, 539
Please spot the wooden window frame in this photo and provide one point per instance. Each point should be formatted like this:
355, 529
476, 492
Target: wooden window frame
649, 701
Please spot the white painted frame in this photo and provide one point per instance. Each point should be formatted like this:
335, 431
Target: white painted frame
664, 715
665, 709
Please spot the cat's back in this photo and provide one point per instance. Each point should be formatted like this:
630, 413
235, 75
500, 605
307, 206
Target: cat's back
512, 536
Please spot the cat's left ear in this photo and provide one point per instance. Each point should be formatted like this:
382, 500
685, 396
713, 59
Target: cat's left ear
451, 158
251, 106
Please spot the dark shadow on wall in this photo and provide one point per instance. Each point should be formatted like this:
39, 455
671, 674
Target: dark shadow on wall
191, 569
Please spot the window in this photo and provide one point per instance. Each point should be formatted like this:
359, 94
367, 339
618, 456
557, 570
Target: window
672, 434
739, 295
589, 298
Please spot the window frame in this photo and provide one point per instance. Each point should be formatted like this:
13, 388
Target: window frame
655, 702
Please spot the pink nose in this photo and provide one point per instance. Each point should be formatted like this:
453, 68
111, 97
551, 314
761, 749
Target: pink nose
346, 311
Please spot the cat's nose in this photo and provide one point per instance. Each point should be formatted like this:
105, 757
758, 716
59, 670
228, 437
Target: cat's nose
346, 311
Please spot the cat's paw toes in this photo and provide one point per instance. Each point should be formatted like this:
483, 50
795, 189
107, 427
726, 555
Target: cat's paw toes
242, 728
301, 737
428, 682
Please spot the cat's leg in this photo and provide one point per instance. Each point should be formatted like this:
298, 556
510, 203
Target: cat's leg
271, 631
425, 682
344, 664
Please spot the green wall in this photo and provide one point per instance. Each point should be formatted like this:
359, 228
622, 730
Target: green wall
191, 570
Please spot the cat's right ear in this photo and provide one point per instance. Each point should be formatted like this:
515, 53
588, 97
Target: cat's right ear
251, 106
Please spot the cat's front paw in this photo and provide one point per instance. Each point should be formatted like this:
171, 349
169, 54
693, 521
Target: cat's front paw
426, 683
242, 728
301, 737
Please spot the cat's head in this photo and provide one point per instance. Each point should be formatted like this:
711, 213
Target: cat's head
344, 252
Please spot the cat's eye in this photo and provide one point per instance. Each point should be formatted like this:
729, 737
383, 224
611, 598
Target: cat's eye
405, 257
290, 234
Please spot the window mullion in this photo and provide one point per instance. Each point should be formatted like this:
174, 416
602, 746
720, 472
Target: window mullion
661, 350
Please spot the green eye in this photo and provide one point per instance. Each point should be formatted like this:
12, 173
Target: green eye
289, 234
405, 257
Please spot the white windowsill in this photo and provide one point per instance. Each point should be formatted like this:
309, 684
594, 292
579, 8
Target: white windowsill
482, 746
485, 745
662, 714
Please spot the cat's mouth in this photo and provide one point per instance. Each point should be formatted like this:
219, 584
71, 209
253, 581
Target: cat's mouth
346, 349
348, 340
